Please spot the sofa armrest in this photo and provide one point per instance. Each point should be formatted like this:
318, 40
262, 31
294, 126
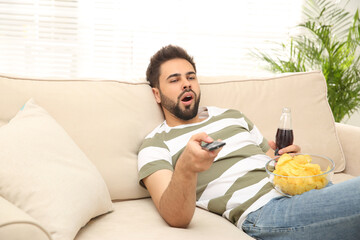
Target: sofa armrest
349, 138
17, 225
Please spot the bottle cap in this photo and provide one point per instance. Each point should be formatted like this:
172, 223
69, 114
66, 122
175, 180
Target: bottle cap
286, 110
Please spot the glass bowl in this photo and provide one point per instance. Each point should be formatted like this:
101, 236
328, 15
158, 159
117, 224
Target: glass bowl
294, 185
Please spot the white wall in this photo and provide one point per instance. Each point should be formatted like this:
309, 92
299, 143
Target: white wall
353, 120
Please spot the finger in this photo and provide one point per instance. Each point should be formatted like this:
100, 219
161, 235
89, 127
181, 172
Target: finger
214, 153
272, 144
290, 149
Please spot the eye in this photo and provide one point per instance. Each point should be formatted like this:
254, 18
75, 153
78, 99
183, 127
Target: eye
174, 80
192, 77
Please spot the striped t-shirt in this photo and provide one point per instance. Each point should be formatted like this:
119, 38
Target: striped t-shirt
237, 182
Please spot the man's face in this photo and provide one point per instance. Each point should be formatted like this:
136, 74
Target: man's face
179, 91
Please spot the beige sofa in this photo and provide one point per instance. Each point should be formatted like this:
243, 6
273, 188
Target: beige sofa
108, 120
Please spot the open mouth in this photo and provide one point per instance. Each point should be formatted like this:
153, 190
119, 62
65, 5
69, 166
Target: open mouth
187, 99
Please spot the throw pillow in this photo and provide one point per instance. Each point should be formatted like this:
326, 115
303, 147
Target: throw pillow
44, 173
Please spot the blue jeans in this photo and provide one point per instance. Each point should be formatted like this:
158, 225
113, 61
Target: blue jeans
330, 213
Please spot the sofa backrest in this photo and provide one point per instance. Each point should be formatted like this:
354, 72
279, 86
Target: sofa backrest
109, 119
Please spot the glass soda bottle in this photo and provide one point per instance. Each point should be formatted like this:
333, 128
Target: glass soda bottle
284, 135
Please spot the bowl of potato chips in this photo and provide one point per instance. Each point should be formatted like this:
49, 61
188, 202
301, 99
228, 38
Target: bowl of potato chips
294, 174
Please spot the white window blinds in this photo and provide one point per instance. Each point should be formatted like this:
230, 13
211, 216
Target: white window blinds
114, 39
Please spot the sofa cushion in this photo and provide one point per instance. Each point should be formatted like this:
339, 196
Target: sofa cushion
44, 173
350, 135
139, 219
16, 224
262, 99
107, 119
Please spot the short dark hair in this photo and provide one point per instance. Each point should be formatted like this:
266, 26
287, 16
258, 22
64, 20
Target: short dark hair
165, 54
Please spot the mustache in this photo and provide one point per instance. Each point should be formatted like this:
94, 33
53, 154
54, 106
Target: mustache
186, 91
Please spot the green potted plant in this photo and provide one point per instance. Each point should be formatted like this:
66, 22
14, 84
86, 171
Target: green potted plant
329, 41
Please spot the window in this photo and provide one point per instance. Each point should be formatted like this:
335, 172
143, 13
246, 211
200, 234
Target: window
114, 39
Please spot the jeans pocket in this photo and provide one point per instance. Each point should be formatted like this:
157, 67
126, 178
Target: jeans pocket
253, 217
249, 225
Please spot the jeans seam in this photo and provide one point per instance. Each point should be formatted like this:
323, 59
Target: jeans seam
298, 228
258, 216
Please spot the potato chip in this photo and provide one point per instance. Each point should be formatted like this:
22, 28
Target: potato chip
297, 172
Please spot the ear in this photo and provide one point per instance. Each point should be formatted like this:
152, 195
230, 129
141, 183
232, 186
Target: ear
156, 93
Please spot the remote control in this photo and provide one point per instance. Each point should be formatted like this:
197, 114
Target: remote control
213, 145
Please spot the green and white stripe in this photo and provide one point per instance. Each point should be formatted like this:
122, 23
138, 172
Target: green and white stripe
236, 183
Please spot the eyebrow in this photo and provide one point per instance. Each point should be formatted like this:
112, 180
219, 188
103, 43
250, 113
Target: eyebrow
178, 74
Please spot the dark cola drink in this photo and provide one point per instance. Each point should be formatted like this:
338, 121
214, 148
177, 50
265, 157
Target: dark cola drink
284, 135
284, 138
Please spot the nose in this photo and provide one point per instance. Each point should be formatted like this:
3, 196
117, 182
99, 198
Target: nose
186, 84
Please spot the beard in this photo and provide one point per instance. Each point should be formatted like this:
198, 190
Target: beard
188, 113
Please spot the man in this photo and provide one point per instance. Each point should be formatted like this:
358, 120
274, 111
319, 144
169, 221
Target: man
231, 181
